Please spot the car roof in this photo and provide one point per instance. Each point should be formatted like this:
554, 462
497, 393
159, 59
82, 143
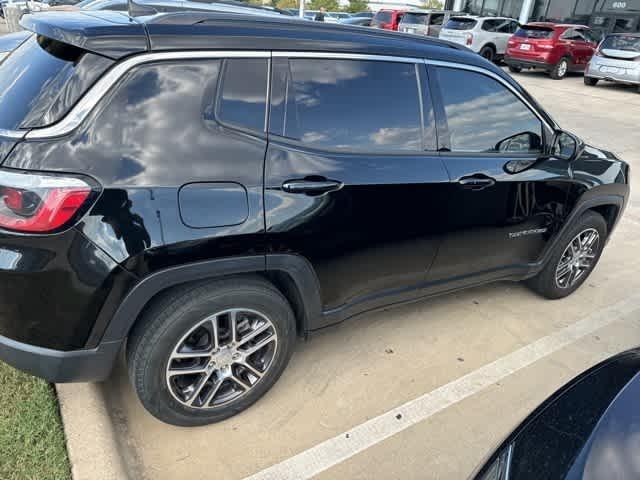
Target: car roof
98, 32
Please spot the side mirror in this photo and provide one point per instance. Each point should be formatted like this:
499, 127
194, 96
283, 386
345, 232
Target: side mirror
524, 142
565, 145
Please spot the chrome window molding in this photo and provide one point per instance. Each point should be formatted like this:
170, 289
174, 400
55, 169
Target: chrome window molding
348, 56
91, 99
15, 134
489, 73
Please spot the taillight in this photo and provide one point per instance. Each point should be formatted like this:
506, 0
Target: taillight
469, 39
40, 203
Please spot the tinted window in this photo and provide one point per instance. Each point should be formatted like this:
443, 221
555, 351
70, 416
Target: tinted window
42, 79
487, 117
534, 32
242, 99
437, 18
460, 24
353, 105
489, 25
415, 18
571, 34
384, 17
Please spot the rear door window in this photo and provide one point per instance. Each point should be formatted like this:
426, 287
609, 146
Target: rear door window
331, 104
42, 79
460, 23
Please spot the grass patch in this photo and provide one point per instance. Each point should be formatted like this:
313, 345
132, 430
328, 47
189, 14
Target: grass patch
32, 445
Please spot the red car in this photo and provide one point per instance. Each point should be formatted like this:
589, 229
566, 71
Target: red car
387, 19
556, 48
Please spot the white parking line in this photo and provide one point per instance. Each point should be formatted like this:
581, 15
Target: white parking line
344, 446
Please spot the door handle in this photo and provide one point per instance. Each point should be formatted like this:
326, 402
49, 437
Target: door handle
311, 187
476, 183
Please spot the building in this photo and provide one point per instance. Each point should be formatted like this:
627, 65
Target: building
604, 16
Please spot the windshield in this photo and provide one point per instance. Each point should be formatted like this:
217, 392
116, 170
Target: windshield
414, 18
627, 43
460, 23
534, 32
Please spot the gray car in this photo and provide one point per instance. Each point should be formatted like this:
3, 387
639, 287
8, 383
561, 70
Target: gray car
425, 22
617, 60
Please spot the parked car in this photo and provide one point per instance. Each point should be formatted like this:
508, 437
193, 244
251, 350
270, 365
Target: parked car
556, 48
425, 22
339, 15
360, 21
161, 200
367, 14
588, 429
617, 59
387, 19
487, 36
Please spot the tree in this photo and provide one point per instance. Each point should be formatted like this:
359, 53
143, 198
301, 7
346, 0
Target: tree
329, 5
282, 4
432, 4
357, 6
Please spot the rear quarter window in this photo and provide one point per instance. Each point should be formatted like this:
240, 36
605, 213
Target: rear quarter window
42, 79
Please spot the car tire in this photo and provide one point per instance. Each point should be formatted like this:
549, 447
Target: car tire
513, 69
560, 69
196, 320
590, 81
553, 282
488, 52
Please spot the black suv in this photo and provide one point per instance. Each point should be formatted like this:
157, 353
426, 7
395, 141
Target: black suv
198, 189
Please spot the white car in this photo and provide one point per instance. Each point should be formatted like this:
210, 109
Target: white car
487, 36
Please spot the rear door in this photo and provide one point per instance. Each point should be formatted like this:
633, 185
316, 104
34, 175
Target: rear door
505, 201
353, 181
573, 43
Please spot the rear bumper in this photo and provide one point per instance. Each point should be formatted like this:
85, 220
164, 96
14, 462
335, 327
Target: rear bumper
522, 63
58, 366
628, 78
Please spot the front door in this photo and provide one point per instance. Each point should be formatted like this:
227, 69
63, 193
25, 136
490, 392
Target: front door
505, 201
352, 180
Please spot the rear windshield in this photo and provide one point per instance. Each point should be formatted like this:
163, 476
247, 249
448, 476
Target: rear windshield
42, 79
460, 23
627, 43
414, 18
534, 32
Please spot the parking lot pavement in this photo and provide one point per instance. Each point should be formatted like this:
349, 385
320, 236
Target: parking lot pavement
464, 368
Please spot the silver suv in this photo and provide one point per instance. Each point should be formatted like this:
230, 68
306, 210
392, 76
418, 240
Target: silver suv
617, 60
425, 22
487, 36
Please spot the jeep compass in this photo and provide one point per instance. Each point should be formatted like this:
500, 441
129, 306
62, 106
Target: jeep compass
198, 189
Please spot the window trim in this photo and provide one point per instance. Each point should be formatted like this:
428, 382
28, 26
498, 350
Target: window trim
98, 91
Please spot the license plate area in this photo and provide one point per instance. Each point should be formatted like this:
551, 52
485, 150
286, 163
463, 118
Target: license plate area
525, 46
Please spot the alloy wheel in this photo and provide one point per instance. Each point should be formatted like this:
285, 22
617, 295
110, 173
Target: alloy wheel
222, 358
578, 258
562, 68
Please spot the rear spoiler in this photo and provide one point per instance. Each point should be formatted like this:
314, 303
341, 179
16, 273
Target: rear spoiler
110, 34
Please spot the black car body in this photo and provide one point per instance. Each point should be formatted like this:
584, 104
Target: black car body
197, 146
586, 430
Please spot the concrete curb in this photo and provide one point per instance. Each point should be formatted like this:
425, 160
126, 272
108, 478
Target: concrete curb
91, 440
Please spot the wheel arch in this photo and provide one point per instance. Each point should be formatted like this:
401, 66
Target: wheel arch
291, 274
